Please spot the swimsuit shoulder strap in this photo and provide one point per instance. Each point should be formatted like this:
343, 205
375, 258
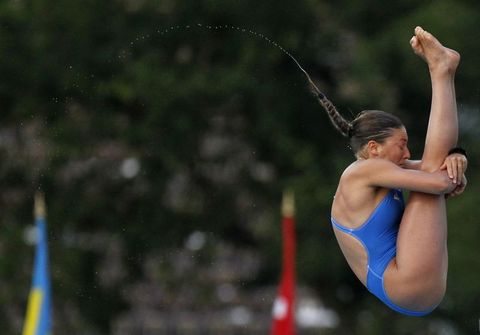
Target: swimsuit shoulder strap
340, 227
390, 194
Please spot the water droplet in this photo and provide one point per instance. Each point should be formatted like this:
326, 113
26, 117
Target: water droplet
251, 32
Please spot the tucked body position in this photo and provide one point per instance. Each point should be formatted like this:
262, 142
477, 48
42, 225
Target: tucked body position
398, 250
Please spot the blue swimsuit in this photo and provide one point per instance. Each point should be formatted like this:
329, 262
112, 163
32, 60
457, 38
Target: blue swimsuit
378, 236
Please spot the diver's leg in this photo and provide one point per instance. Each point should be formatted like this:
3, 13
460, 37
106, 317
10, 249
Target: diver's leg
417, 278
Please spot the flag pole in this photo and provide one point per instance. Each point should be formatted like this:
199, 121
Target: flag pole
288, 204
40, 210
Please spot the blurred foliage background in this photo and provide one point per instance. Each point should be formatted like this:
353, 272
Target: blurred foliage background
163, 136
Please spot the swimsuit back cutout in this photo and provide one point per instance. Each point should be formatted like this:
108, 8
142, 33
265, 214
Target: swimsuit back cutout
378, 234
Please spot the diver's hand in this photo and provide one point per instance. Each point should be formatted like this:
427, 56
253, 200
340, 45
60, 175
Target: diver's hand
456, 165
459, 189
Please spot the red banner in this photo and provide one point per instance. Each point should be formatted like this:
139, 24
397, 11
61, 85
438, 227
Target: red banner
284, 306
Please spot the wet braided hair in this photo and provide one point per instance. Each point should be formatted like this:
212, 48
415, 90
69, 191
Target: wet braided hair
368, 125
343, 126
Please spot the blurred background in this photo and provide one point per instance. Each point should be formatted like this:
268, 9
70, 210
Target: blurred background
163, 146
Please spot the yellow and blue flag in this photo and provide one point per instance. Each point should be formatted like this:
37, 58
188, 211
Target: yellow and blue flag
38, 319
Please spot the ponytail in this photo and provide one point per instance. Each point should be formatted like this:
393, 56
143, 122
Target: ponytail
338, 121
368, 125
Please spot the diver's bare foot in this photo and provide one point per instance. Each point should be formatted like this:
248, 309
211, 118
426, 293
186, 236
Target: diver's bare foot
438, 57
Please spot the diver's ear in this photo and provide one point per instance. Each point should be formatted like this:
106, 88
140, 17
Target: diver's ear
373, 148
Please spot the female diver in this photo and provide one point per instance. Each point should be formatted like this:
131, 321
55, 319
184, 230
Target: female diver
400, 252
